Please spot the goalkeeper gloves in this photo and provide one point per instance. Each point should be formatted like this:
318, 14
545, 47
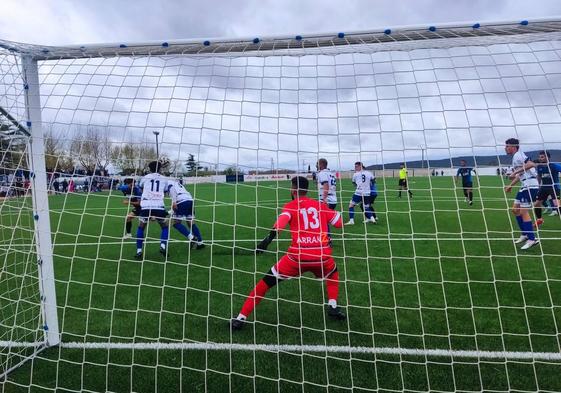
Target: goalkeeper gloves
263, 244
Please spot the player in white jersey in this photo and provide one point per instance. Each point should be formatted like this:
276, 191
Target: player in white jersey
327, 184
525, 173
152, 206
362, 179
182, 209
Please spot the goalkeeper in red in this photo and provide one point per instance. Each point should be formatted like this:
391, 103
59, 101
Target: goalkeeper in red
308, 252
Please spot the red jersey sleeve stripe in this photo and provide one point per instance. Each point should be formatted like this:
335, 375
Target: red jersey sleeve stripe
335, 218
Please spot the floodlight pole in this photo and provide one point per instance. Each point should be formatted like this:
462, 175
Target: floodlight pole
157, 149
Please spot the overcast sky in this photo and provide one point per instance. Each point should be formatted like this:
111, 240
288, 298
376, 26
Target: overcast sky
376, 107
55, 22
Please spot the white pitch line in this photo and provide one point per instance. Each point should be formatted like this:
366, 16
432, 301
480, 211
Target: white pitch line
503, 355
231, 241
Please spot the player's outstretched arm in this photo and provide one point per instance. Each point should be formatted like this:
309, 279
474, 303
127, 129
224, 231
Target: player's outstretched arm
527, 165
281, 222
264, 244
512, 183
336, 220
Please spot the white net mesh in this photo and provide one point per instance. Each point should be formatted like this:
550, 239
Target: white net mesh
436, 294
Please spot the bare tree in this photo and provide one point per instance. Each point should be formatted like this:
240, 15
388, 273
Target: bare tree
53, 147
132, 157
92, 149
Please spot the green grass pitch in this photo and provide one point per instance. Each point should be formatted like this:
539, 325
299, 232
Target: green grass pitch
434, 273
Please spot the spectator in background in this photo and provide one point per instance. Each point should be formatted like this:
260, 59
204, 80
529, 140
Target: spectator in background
71, 186
64, 186
56, 186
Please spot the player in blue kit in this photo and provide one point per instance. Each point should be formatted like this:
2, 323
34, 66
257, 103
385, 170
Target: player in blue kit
525, 173
130, 190
373, 196
467, 181
548, 174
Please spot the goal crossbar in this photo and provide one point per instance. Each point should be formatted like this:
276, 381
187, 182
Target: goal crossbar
401, 38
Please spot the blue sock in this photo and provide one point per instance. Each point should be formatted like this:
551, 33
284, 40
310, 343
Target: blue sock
367, 213
182, 229
529, 230
164, 236
520, 223
351, 213
197, 232
139, 237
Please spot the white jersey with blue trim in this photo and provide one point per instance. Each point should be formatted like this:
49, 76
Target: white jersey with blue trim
528, 178
326, 176
178, 193
153, 187
362, 180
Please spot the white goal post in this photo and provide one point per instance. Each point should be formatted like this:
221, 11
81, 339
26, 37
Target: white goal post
235, 119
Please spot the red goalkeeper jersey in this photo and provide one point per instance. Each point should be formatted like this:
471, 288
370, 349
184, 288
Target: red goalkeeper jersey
309, 220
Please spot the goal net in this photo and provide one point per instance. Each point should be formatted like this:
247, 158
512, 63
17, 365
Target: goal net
437, 294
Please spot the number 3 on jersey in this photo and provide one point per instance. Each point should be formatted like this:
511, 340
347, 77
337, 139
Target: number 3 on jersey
310, 222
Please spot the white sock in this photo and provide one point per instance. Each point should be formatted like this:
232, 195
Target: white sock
241, 317
139, 250
163, 245
332, 303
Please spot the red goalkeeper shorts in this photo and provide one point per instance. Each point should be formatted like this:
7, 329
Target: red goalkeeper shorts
286, 268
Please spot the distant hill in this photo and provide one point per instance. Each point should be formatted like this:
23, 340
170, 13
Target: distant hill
471, 161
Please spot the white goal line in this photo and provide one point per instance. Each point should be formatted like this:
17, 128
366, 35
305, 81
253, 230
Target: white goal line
505, 355
231, 243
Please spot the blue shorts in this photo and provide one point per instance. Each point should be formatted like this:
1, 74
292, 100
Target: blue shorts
525, 198
157, 214
184, 211
358, 199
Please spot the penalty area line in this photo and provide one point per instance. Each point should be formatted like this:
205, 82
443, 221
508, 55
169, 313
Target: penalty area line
499, 355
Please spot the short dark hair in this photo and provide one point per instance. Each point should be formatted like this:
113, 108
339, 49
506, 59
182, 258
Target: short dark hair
323, 162
359, 163
128, 181
154, 166
545, 153
300, 183
513, 142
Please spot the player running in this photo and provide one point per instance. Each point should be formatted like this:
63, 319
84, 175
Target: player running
525, 172
308, 252
134, 193
548, 174
403, 181
467, 181
152, 206
182, 210
362, 179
